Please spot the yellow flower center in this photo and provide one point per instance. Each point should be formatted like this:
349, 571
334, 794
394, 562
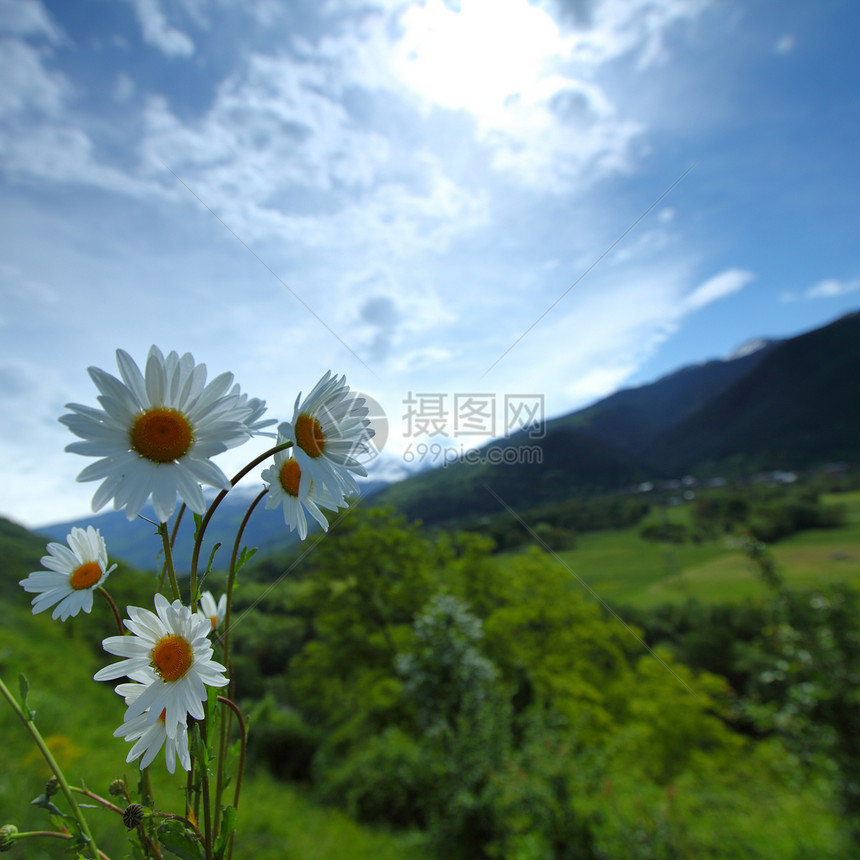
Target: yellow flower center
163, 716
162, 435
309, 436
172, 657
290, 475
86, 576
214, 620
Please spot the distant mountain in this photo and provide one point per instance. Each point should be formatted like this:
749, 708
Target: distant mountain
633, 417
788, 404
571, 463
138, 544
797, 408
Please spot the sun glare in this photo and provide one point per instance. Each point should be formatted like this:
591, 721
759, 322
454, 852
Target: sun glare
479, 57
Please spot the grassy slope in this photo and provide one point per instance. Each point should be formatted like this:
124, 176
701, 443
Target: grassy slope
77, 716
623, 569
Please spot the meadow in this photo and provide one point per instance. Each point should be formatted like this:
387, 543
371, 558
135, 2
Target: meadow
418, 696
625, 570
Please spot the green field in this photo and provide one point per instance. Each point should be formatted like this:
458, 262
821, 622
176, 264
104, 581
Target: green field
623, 569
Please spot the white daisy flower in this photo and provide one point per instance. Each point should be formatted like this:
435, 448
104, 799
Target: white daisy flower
285, 479
72, 574
156, 433
254, 409
329, 429
172, 643
212, 612
150, 738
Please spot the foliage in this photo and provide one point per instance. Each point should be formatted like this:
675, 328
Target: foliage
487, 701
513, 717
768, 515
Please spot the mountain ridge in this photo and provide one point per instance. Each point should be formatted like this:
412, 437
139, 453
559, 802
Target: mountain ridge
761, 410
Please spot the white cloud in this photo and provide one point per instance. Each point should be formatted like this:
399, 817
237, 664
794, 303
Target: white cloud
28, 18
832, 287
784, 45
532, 87
718, 287
158, 32
29, 88
278, 155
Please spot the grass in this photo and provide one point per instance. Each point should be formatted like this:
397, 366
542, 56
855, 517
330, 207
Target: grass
623, 569
77, 716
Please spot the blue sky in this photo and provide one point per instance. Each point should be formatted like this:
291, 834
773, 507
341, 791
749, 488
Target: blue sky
493, 196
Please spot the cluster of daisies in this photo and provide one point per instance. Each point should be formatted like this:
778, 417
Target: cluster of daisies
155, 435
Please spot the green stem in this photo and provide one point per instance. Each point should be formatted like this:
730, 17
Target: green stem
168, 560
204, 778
226, 723
55, 834
195, 555
173, 534
243, 743
55, 767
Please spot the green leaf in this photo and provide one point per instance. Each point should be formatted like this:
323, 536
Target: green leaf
180, 842
245, 556
228, 825
211, 559
45, 803
24, 688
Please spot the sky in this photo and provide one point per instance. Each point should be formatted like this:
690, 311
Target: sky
448, 202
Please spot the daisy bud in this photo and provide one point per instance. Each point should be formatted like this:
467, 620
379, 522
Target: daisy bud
8, 832
117, 788
52, 787
133, 816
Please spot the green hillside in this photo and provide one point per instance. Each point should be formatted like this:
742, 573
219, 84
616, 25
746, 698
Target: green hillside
77, 717
475, 706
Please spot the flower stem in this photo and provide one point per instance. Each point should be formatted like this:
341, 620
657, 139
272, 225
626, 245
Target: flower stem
242, 745
98, 799
112, 605
168, 560
55, 834
195, 555
173, 534
226, 723
55, 767
204, 778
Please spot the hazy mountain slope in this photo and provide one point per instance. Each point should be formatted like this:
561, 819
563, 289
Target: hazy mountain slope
137, 543
572, 464
789, 404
